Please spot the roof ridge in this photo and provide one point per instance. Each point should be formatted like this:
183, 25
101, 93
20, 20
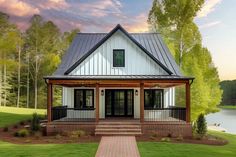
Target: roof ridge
128, 32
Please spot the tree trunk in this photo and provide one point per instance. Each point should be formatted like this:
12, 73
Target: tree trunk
36, 85
0, 85
18, 90
181, 50
5, 84
28, 72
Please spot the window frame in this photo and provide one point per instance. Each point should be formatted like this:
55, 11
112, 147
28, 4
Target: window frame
84, 105
152, 99
115, 65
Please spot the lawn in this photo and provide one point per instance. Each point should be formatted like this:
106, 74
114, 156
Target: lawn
12, 115
47, 150
227, 106
160, 149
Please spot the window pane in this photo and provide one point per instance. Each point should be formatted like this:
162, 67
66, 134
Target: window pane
148, 98
118, 58
89, 98
79, 99
153, 98
157, 101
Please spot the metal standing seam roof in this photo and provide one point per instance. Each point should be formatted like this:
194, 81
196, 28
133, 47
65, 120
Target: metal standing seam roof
85, 43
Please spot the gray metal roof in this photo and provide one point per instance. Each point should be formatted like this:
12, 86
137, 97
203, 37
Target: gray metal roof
105, 77
85, 43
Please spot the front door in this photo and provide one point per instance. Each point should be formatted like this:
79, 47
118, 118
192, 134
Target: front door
119, 103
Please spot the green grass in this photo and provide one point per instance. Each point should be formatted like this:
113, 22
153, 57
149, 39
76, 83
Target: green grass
48, 150
159, 149
12, 115
227, 106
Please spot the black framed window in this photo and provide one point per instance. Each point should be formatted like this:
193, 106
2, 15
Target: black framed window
153, 98
83, 98
118, 58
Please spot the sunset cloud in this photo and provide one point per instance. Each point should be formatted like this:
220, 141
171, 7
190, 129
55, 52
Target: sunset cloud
208, 7
138, 24
54, 4
102, 8
210, 24
17, 8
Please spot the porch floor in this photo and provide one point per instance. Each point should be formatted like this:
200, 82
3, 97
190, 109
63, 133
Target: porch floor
117, 146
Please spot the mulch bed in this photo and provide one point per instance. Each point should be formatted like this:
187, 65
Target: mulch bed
208, 140
38, 138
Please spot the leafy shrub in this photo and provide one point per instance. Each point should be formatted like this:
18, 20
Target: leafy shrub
201, 125
23, 133
180, 138
58, 136
165, 139
35, 122
78, 133
5, 129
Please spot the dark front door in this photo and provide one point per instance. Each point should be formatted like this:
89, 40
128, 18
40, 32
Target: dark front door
119, 103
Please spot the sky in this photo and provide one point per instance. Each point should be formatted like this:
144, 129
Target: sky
216, 21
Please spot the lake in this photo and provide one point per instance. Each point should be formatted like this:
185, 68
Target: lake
225, 117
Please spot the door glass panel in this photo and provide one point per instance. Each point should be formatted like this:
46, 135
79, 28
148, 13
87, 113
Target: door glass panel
129, 102
108, 103
119, 103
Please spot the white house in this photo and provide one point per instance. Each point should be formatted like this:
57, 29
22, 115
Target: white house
118, 77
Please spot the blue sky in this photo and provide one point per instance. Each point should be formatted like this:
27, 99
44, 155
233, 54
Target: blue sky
216, 21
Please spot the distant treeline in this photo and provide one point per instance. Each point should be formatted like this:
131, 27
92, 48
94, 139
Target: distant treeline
229, 92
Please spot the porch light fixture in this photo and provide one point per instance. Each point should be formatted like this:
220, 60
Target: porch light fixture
136, 92
102, 92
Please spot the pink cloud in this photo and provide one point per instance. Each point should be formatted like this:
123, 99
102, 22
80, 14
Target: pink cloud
18, 8
102, 8
138, 24
54, 4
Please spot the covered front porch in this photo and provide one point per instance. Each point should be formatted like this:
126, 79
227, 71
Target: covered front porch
149, 100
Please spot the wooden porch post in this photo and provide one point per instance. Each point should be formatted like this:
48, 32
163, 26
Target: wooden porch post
141, 102
97, 102
188, 112
49, 102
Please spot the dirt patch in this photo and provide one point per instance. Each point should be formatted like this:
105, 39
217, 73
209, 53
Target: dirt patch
208, 140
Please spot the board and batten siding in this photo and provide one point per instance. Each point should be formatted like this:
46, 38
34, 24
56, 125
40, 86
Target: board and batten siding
68, 100
100, 62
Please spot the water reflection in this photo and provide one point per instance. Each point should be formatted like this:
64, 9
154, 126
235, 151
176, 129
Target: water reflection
226, 118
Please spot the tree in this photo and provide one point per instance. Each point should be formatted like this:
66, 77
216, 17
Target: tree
42, 40
9, 35
174, 19
201, 125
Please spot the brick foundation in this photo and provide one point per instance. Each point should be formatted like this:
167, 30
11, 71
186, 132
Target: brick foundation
159, 128
53, 128
162, 129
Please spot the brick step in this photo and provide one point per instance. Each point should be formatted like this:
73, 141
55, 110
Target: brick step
118, 126
117, 130
118, 133
119, 123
